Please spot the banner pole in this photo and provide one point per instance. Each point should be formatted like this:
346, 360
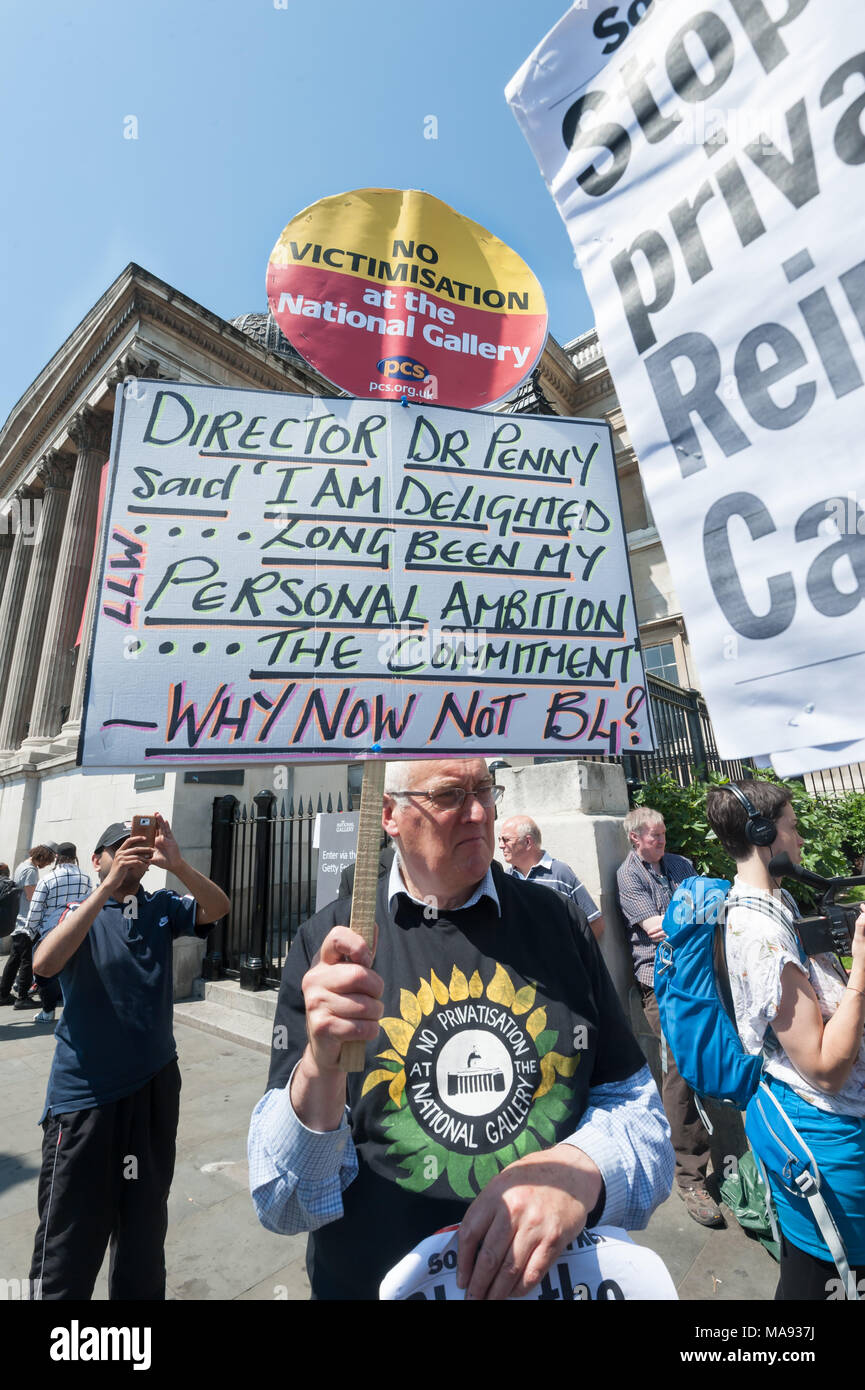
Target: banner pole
352, 1055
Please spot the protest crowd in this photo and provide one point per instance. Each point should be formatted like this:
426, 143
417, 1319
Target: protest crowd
466, 940
484, 1079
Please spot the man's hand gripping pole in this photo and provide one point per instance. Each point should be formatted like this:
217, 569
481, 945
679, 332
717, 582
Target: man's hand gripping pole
352, 1055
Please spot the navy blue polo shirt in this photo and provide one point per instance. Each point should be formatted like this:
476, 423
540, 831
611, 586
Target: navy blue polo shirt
118, 1001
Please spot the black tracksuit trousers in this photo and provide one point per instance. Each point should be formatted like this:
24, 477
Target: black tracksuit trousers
106, 1174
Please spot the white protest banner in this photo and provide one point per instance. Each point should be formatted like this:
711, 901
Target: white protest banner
709, 162
294, 577
796, 762
599, 1265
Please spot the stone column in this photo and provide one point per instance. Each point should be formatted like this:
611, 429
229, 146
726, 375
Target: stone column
92, 433
16, 583
55, 471
121, 377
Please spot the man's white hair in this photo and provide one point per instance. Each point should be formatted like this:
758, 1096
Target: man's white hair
525, 829
640, 819
398, 776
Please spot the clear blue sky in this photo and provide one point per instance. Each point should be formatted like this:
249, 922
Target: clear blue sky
246, 114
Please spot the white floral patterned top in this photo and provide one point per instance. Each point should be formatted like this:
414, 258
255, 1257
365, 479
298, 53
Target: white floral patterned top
760, 941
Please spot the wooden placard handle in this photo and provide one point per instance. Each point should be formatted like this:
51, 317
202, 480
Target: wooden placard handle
352, 1055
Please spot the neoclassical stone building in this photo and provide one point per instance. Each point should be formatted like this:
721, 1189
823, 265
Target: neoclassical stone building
666, 652
52, 450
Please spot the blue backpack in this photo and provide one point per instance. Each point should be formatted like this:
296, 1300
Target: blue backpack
698, 1028
698, 1022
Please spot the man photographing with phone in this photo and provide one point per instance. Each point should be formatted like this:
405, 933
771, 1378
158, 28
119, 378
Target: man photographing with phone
111, 1112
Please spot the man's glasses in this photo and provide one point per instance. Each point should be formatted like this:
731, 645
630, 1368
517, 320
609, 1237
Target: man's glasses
452, 798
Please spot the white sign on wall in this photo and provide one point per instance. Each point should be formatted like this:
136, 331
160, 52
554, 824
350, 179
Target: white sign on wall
291, 577
335, 838
709, 162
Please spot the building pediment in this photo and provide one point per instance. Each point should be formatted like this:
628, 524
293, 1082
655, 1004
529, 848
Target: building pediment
140, 326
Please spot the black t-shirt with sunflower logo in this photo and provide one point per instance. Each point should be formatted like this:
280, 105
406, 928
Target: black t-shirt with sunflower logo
494, 1030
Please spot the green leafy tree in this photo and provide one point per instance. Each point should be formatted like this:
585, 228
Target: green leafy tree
833, 829
850, 812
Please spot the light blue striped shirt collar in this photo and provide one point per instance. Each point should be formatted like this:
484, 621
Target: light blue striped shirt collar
396, 885
545, 862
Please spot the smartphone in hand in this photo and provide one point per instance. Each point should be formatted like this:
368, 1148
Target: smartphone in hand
146, 826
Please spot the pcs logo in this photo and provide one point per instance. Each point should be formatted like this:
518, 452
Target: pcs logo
402, 369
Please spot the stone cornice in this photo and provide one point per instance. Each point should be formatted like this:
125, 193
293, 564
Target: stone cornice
43, 417
671, 620
557, 371
644, 540
236, 356
590, 365
73, 374
13, 767
594, 390
564, 387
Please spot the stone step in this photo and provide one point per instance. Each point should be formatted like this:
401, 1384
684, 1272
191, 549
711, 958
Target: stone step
252, 1030
228, 994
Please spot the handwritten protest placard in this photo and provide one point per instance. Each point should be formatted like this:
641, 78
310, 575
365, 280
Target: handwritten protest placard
292, 577
709, 162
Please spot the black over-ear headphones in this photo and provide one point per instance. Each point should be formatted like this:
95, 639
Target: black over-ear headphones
759, 830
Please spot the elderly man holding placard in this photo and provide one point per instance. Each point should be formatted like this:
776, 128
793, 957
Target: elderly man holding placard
502, 1087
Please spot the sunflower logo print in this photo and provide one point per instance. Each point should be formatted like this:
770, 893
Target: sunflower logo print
473, 1080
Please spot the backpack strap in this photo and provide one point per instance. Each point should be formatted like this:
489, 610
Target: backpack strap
773, 1138
722, 974
703, 1113
778, 1146
770, 908
800, 1168
722, 983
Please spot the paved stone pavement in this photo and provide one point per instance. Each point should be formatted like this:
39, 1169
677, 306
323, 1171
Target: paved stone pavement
215, 1247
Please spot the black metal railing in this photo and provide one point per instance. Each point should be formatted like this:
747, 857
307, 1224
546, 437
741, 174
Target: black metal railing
263, 858
687, 747
684, 741
836, 781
